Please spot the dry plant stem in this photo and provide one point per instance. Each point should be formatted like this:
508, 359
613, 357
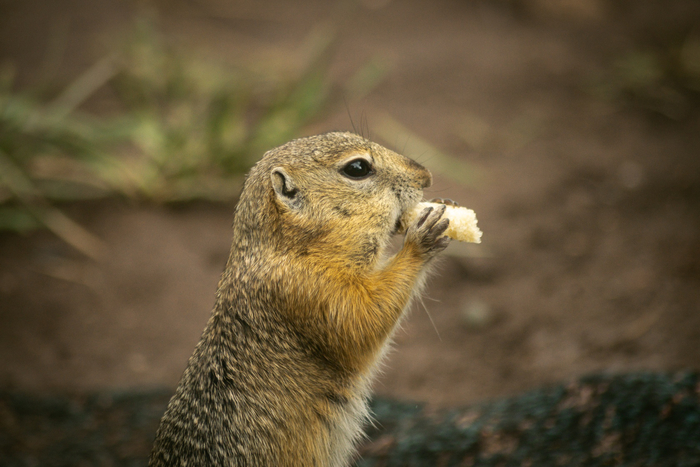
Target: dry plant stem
72, 233
90, 81
62, 226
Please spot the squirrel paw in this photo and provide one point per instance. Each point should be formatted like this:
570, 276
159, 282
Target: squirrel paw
427, 233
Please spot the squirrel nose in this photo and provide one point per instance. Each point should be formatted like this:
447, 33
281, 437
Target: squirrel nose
422, 174
427, 179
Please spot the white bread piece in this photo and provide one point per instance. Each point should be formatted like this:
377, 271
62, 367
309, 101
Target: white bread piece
462, 221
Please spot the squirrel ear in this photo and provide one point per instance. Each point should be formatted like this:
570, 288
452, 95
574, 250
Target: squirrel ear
285, 188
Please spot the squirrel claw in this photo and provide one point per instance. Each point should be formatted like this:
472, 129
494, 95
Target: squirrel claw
428, 231
445, 201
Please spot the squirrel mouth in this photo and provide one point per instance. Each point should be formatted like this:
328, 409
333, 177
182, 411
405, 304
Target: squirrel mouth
400, 224
398, 227
402, 219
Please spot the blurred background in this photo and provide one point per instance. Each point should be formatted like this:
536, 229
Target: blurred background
571, 127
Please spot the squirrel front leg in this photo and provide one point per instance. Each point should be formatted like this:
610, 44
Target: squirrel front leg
366, 311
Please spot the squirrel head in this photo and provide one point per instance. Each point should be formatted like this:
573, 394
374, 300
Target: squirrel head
337, 195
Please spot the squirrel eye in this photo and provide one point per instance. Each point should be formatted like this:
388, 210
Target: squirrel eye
357, 169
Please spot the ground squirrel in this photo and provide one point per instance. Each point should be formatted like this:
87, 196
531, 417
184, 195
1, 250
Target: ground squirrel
304, 308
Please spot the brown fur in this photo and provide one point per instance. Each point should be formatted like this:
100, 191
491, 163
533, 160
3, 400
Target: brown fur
303, 310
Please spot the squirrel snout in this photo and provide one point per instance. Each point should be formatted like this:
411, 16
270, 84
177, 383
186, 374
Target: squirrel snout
427, 179
422, 175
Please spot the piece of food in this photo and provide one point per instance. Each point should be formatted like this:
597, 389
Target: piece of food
462, 221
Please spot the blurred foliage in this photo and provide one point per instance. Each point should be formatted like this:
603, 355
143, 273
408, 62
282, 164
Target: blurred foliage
47, 155
187, 129
198, 126
650, 48
663, 79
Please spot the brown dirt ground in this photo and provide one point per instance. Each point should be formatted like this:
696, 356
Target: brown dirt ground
591, 213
